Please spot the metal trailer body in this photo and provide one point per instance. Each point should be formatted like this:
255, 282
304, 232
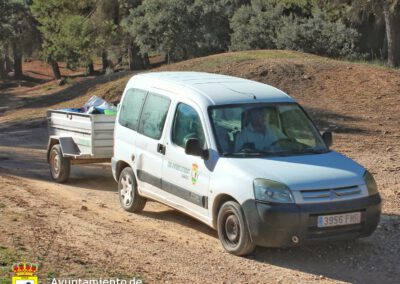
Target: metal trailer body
83, 138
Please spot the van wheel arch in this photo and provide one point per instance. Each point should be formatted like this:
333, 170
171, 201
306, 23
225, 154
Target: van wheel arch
218, 202
121, 165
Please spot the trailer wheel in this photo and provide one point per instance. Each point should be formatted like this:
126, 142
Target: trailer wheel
129, 197
59, 165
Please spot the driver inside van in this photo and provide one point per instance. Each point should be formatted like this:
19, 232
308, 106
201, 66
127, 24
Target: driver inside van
257, 132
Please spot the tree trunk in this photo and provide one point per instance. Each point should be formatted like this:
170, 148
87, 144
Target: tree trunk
56, 69
392, 33
90, 68
104, 60
167, 58
146, 61
17, 56
2, 67
383, 50
135, 60
7, 60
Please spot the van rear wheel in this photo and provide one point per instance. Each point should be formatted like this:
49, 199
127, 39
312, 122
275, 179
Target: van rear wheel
232, 230
129, 197
59, 165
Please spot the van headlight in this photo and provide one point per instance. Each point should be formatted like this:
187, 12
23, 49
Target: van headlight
370, 183
272, 191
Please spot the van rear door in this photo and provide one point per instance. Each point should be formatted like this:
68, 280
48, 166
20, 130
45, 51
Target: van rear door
127, 125
149, 147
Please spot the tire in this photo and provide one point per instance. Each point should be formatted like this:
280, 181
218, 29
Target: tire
129, 197
232, 230
59, 165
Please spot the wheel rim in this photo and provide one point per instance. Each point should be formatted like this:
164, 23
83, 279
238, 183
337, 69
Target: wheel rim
56, 164
126, 190
232, 229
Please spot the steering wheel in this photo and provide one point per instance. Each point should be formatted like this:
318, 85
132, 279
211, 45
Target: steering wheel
191, 135
247, 147
284, 140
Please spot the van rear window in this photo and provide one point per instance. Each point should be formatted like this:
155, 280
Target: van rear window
131, 107
153, 116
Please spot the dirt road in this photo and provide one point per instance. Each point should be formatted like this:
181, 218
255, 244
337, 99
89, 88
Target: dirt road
79, 229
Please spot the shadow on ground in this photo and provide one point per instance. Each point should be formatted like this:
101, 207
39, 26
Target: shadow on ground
76, 90
347, 261
24, 81
177, 217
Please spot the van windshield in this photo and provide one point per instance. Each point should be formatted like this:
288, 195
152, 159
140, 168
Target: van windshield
264, 129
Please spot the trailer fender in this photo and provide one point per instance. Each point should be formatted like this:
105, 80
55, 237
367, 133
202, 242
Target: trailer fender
52, 141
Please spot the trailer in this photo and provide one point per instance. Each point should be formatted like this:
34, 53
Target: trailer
77, 138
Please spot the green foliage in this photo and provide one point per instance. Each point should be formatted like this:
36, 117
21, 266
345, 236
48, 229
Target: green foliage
105, 21
163, 26
182, 28
254, 27
67, 33
76, 40
213, 28
265, 25
76, 30
17, 27
318, 36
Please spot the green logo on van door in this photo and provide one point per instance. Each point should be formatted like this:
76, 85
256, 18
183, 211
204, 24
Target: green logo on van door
194, 173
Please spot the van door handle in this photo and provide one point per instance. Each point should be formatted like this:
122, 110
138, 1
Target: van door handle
161, 148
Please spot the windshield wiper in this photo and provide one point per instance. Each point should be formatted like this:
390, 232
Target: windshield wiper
305, 151
243, 153
273, 153
315, 151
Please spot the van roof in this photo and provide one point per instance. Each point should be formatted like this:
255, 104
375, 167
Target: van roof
215, 88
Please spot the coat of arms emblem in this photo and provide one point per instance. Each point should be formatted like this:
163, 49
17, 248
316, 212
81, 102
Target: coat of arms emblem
24, 273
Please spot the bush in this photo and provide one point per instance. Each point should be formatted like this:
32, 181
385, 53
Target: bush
181, 28
254, 26
318, 36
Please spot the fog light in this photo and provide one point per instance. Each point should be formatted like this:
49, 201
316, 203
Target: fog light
295, 239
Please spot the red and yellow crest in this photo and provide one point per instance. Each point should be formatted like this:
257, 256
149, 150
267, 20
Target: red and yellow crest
24, 273
194, 173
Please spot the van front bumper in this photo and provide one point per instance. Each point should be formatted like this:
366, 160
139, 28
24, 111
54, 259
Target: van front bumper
277, 225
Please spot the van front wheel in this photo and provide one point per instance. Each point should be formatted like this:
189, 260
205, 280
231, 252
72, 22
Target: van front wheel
232, 229
127, 190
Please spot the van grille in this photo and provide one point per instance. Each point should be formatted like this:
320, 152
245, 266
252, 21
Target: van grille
330, 194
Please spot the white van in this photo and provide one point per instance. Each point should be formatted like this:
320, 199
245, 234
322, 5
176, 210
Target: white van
242, 157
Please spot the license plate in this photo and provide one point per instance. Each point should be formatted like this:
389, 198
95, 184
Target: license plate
339, 219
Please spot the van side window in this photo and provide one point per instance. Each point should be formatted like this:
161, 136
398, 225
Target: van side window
187, 125
153, 116
131, 107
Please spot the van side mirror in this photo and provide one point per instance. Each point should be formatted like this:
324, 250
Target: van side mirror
193, 148
327, 137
